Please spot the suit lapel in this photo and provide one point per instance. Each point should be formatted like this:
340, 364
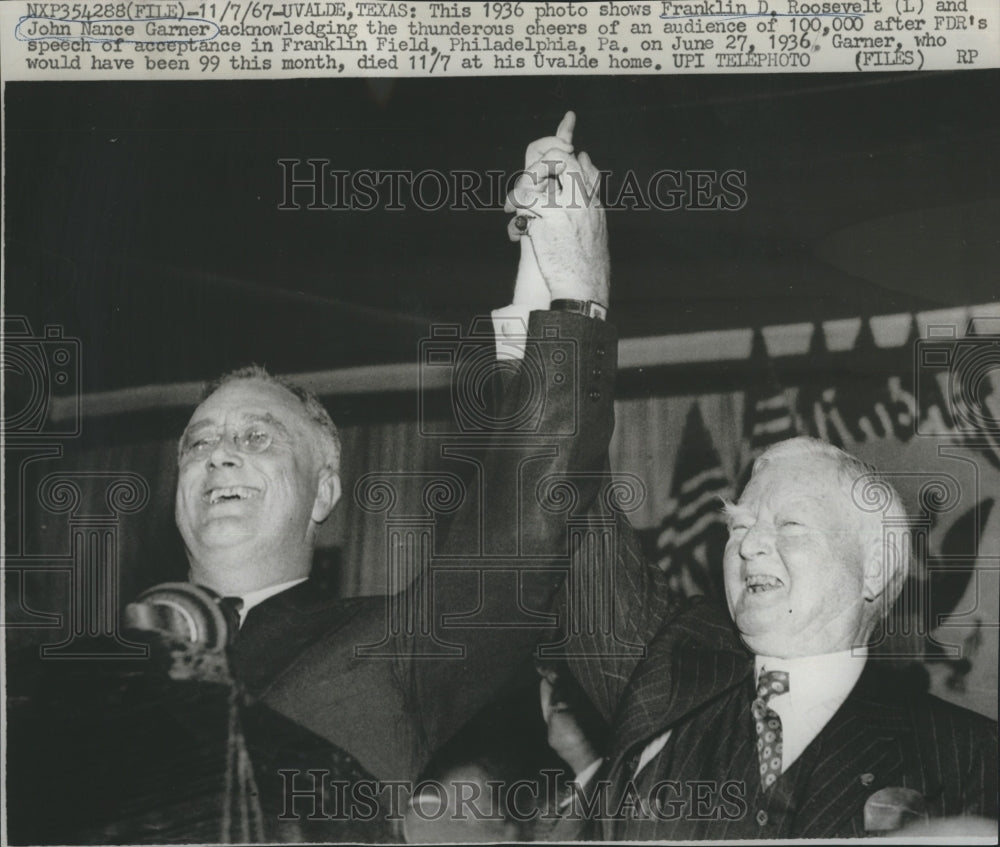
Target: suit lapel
860, 751
305, 598
280, 628
694, 660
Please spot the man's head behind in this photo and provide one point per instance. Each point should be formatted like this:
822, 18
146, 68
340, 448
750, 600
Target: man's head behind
807, 569
257, 473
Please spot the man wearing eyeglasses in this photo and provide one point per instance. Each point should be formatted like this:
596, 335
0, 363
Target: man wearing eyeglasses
259, 472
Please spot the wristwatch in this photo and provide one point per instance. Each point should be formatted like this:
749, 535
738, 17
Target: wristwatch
589, 308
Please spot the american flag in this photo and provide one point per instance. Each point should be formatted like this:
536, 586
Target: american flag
693, 533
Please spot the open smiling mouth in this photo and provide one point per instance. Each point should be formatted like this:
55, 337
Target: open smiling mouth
234, 492
759, 583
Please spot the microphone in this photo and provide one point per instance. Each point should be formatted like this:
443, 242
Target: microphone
192, 622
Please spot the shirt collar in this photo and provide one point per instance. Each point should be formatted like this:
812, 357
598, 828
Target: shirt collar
255, 598
817, 680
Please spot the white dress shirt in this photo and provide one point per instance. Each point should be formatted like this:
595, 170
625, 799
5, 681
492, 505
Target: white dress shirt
817, 687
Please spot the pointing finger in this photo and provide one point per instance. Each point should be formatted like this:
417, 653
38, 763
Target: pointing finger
566, 127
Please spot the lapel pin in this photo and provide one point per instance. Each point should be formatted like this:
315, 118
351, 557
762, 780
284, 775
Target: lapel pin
867, 779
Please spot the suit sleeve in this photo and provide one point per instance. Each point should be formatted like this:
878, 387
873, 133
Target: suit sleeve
633, 598
636, 618
553, 423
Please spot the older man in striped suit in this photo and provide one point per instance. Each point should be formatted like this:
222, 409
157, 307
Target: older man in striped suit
774, 721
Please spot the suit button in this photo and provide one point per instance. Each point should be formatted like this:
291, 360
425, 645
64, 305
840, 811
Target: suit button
596, 373
762, 817
599, 350
595, 395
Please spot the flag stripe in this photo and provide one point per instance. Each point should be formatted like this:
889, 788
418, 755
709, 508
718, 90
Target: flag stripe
686, 532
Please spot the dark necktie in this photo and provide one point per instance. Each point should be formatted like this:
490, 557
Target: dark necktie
768, 725
231, 607
242, 817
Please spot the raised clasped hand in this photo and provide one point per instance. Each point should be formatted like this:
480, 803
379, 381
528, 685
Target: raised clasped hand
560, 222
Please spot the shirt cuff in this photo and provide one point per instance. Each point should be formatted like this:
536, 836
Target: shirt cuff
510, 327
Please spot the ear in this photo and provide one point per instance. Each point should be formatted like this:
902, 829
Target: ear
878, 562
327, 494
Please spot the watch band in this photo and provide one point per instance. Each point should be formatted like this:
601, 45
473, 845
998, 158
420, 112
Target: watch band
588, 308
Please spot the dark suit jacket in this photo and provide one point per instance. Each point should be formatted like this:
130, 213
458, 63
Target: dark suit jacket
299, 655
127, 754
284, 625
884, 736
695, 677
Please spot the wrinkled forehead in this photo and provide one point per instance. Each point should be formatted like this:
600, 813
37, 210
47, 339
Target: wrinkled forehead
247, 401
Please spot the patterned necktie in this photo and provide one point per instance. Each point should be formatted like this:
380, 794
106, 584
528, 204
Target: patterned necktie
768, 725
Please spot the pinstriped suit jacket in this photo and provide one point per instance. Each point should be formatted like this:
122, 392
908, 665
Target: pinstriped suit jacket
696, 677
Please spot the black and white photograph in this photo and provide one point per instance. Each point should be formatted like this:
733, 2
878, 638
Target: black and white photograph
501, 458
